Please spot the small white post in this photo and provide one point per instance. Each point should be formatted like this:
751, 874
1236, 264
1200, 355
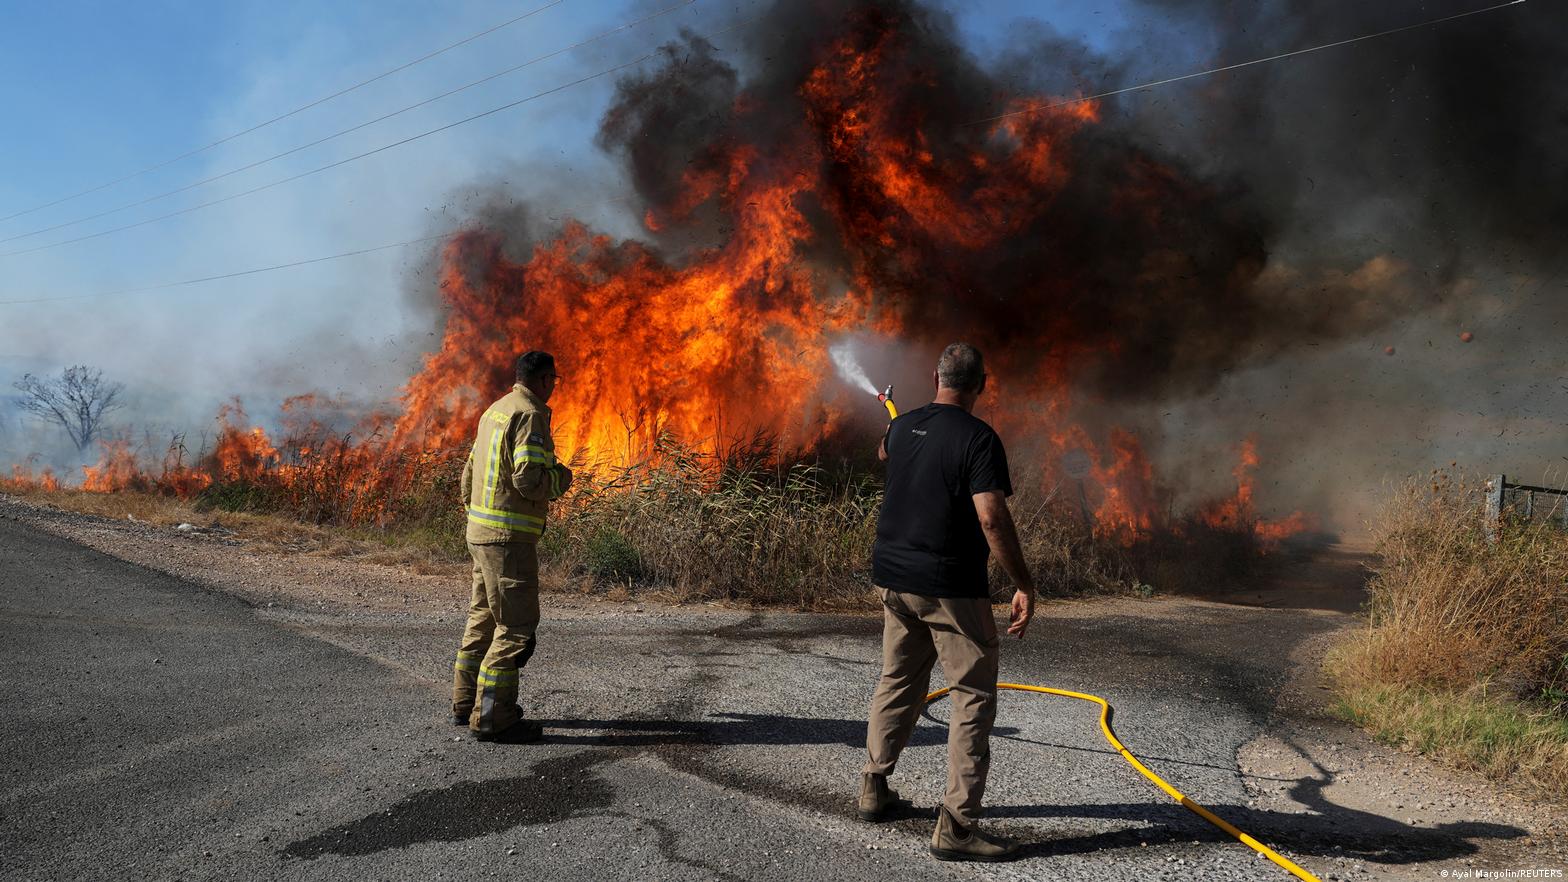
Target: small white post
1494, 505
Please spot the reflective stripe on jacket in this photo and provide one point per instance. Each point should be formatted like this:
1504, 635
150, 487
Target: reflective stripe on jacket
512, 473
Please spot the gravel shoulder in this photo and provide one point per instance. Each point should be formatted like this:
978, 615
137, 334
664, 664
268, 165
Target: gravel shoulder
676, 722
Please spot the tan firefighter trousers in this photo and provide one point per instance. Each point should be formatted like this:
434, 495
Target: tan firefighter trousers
503, 612
917, 631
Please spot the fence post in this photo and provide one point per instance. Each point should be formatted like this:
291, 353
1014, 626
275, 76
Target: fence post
1494, 505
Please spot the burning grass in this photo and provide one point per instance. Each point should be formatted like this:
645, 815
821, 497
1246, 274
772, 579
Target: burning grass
752, 525
1465, 655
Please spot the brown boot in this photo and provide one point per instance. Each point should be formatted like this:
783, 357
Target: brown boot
877, 800
953, 841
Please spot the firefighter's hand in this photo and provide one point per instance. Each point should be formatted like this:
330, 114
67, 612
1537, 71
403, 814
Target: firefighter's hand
560, 481
1023, 611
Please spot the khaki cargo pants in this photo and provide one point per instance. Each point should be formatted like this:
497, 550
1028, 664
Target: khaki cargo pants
503, 613
918, 631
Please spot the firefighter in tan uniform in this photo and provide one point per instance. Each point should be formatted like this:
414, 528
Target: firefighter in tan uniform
508, 483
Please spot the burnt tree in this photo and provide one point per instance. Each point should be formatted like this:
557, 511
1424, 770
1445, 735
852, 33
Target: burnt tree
77, 401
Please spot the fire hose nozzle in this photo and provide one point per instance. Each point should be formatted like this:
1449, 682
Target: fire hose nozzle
886, 397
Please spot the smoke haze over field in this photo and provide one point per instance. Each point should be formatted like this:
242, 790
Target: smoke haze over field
1211, 260
1439, 151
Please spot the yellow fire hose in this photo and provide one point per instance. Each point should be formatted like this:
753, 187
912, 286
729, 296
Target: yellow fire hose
1105, 727
1173, 793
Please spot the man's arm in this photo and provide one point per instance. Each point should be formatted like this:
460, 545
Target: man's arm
1002, 536
535, 471
468, 479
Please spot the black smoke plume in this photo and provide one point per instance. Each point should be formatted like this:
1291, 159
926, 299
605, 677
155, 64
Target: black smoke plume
1197, 230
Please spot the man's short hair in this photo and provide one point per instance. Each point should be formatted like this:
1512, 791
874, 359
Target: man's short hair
960, 368
534, 364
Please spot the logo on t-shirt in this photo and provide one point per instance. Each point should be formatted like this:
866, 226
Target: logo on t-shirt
920, 432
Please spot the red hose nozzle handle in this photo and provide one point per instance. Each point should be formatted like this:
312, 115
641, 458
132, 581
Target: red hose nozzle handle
886, 397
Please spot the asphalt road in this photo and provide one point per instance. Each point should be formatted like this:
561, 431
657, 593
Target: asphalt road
153, 729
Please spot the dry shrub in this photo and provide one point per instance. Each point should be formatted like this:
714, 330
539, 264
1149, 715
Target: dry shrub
721, 528
324, 480
1060, 548
1455, 604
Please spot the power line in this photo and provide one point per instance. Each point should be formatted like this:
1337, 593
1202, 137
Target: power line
233, 275
634, 61
1026, 110
331, 165
644, 57
278, 266
279, 118
350, 130
1036, 108
343, 254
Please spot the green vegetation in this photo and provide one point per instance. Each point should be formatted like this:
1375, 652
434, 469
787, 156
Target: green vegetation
1497, 736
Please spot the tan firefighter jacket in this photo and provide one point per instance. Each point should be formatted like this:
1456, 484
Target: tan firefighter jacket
512, 474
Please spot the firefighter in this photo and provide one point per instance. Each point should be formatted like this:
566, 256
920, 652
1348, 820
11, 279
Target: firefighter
510, 479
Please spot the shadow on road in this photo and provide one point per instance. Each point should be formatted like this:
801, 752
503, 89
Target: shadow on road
728, 729
569, 786
553, 790
1325, 828
1342, 832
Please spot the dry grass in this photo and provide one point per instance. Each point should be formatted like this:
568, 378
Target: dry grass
1465, 655
752, 527
409, 548
1451, 608
699, 529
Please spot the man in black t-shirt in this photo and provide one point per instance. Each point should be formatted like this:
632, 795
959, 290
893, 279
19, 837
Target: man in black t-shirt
944, 512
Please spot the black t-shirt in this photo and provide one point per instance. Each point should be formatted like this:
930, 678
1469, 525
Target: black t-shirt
929, 539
